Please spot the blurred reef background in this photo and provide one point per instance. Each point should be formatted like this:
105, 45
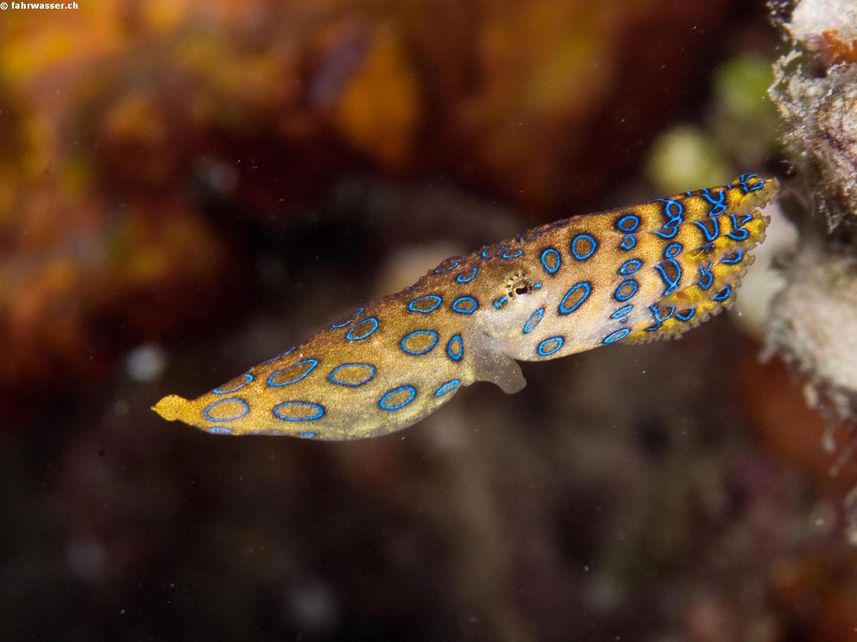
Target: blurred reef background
188, 188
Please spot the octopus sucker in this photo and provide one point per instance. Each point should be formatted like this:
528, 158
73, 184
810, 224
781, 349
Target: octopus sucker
630, 275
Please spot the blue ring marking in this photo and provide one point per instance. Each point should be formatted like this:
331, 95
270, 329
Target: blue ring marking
533, 321
383, 403
317, 407
724, 294
486, 253
718, 206
673, 282
447, 267
462, 278
351, 335
733, 258
332, 378
245, 408
713, 233
673, 250
586, 286
447, 387
674, 212
738, 232
219, 430
225, 391
668, 231
553, 265
346, 322
508, 256
705, 273
583, 256
279, 384
686, 315
630, 266
657, 318
431, 333
746, 187
435, 301
615, 336
455, 348
629, 242
550, 345
307, 434
628, 223
457, 305
537, 285
500, 301
626, 285
622, 312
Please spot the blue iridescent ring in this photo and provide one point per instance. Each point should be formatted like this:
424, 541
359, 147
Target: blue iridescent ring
243, 405
724, 294
312, 363
629, 242
280, 411
630, 266
628, 223
712, 233
588, 250
384, 401
465, 305
686, 315
625, 290
246, 378
467, 277
368, 369
447, 387
533, 321
425, 304
362, 330
508, 255
733, 258
673, 249
550, 346
622, 312
455, 348
433, 338
447, 266
583, 286
618, 335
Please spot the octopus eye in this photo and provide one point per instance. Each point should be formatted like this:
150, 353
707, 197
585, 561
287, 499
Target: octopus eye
518, 285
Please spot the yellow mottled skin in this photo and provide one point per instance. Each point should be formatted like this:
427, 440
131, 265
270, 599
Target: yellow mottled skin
631, 275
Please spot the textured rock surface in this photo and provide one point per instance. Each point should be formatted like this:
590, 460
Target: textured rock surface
815, 321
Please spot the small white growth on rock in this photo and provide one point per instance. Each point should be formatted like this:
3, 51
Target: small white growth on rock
813, 17
814, 325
